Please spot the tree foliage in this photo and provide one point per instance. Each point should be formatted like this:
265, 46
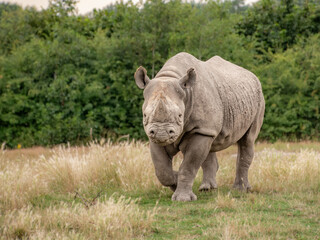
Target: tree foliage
69, 78
291, 84
277, 25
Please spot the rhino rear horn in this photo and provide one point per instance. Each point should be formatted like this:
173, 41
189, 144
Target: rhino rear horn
189, 79
141, 77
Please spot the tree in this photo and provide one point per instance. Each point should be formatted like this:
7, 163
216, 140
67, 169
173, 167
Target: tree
277, 25
291, 85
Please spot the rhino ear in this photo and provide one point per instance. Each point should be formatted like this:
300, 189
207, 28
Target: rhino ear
189, 79
141, 77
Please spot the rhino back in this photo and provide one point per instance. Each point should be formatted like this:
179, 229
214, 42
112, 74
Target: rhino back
177, 66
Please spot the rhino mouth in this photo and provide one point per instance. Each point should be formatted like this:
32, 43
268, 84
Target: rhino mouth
163, 142
163, 135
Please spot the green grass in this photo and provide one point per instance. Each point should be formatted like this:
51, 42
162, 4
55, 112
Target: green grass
247, 216
268, 212
239, 215
236, 215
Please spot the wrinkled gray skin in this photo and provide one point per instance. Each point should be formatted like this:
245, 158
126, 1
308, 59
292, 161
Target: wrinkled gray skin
200, 108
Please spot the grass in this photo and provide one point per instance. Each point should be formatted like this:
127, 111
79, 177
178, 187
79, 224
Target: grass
107, 191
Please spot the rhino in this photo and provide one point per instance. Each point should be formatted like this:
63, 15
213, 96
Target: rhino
200, 108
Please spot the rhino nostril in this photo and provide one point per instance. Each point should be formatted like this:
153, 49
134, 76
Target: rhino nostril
171, 132
151, 132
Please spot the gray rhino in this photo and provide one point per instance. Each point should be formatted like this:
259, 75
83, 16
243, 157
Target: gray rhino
200, 108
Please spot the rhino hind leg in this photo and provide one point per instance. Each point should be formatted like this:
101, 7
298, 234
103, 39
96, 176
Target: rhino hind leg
210, 167
244, 159
245, 155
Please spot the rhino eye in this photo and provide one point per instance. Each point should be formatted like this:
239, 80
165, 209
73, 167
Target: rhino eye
180, 115
144, 115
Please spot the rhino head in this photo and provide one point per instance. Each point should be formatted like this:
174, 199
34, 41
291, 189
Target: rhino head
164, 107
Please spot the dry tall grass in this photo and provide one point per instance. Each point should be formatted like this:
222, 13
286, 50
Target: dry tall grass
109, 219
279, 171
275, 170
126, 166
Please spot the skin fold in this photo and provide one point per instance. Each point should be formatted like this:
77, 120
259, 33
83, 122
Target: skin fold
200, 108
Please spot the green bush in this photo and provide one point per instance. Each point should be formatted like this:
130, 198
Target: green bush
291, 85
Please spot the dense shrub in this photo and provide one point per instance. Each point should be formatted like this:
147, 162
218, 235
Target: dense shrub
291, 84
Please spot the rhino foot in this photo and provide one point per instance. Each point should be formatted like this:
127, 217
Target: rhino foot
242, 187
208, 186
184, 196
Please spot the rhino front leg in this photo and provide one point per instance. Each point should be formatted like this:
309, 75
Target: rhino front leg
195, 152
162, 162
210, 167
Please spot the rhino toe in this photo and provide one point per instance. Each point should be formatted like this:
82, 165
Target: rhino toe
184, 197
207, 186
242, 187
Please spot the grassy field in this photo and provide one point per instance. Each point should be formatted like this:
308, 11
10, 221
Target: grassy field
107, 191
